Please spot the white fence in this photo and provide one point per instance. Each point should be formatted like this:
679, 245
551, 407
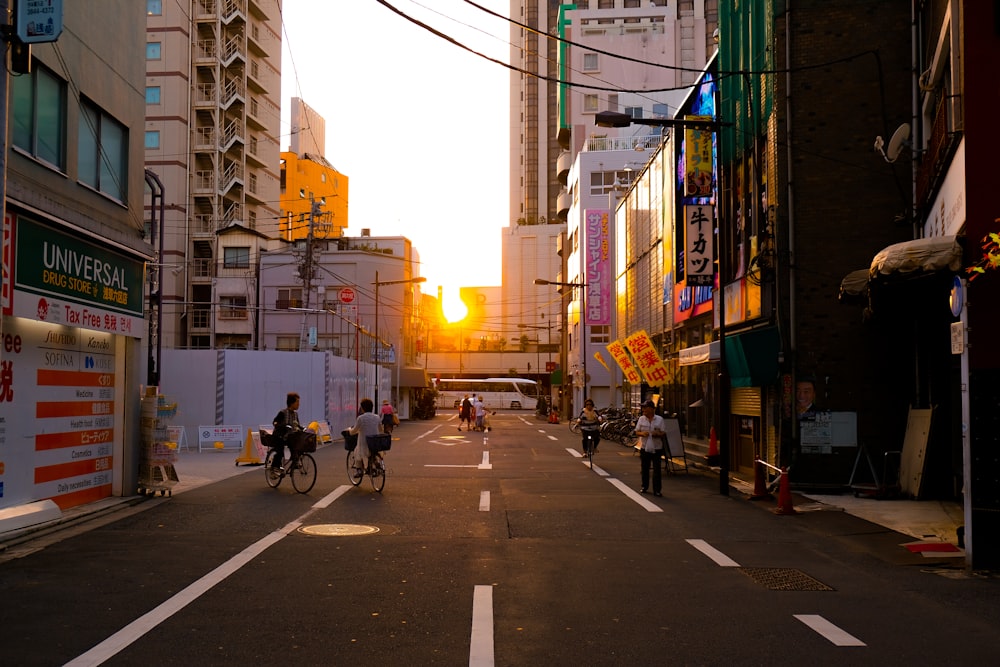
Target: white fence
247, 388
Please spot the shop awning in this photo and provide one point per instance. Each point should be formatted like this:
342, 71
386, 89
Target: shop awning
854, 286
752, 357
698, 354
928, 255
413, 377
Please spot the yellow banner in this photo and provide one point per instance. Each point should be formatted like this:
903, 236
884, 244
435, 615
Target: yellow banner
619, 353
646, 358
600, 360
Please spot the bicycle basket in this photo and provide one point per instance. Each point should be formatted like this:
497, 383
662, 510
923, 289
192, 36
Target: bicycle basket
379, 443
350, 440
301, 441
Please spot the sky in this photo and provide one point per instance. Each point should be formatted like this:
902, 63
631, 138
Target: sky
419, 126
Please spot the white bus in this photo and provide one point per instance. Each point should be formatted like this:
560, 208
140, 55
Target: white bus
497, 393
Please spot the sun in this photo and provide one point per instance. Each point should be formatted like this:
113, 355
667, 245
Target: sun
452, 306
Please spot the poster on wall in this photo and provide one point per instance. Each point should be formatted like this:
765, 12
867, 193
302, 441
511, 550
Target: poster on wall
58, 393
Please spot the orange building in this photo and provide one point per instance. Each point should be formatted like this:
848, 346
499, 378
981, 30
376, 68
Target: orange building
311, 178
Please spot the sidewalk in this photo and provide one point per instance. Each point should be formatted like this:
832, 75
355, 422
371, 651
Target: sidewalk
928, 520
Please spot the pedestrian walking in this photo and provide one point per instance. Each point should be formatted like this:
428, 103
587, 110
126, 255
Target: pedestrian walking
465, 413
389, 418
650, 428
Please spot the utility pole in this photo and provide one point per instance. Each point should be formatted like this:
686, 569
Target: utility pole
307, 269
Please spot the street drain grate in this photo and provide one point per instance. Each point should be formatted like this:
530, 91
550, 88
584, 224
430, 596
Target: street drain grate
784, 579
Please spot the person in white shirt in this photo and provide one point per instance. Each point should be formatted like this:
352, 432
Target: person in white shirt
367, 423
650, 428
480, 409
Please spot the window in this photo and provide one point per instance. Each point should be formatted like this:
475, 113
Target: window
590, 62
154, 7
600, 333
289, 298
103, 152
233, 307
590, 103
39, 111
152, 139
632, 4
661, 111
634, 112
237, 257
152, 94
152, 50
287, 343
613, 102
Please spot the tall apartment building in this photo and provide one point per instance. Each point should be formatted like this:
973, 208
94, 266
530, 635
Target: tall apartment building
213, 74
308, 134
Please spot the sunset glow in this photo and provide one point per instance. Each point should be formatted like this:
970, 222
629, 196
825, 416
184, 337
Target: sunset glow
452, 306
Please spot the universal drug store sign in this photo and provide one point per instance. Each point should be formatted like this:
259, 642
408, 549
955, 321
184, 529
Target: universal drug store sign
62, 279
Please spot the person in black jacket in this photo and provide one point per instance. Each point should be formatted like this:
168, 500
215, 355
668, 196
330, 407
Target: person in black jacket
285, 423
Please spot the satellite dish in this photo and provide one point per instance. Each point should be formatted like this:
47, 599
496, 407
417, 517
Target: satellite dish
896, 143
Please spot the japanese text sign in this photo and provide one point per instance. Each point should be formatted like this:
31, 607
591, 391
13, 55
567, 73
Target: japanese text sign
699, 245
620, 354
645, 356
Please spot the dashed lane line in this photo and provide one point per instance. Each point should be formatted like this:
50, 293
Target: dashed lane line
829, 631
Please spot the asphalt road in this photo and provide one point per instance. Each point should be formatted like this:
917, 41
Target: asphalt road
502, 548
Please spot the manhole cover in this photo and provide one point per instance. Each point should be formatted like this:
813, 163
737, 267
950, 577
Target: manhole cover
784, 579
337, 529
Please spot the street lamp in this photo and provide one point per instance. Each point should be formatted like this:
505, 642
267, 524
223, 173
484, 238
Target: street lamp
378, 338
583, 324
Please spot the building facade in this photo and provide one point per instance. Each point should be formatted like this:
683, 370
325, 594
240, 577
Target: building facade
74, 254
213, 74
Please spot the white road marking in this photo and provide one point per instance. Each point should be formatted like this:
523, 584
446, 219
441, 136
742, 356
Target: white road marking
485, 465
649, 506
599, 470
484, 501
713, 553
574, 452
449, 465
119, 641
481, 645
828, 630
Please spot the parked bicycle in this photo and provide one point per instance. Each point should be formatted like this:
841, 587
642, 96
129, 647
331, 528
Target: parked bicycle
301, 467
376, 465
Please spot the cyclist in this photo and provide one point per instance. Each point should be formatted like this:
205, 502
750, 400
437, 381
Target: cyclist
285, 423
590, 426
368, 423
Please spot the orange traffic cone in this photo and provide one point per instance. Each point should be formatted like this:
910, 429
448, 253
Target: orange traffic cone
784, 496
713, 448
759, 482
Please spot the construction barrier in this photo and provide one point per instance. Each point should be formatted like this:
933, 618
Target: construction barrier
784, 488
713, 448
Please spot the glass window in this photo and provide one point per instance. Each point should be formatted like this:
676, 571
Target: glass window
233, 307
590, 62
152, 139
154, 7
39, 111
634, 112
103, 152
590, 103
152, 94
237, 257
152, 50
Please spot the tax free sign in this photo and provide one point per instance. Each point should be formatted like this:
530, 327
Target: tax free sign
63, 279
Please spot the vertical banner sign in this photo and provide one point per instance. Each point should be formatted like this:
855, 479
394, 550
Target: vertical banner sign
698, 159
620, 354
598, 273
699, 245
646, 357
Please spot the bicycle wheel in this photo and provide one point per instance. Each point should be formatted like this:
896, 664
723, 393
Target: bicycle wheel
304, 473
272, 476
574, 425
377, 474
354, 472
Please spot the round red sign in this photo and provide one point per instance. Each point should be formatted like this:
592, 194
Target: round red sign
346, 295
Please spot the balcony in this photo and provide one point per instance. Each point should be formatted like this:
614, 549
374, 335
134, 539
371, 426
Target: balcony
204, 182
563, 203
203, 224
205, 10
201, 268
563, 164
204, 139
945, 134
205, 53
204, 95
634, 143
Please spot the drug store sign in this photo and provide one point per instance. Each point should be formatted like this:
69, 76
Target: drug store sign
63, 279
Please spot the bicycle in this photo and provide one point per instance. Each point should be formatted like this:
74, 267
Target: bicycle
590, 440
301, 467
376, 466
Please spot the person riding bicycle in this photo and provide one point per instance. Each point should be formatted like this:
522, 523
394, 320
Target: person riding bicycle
367, 424
590, 426
285, 423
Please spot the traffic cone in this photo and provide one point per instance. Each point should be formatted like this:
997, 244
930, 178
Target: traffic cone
784, 496
713, 448
248, 455
760, 491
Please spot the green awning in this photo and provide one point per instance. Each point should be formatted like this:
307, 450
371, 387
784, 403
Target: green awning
752, 357
556, 377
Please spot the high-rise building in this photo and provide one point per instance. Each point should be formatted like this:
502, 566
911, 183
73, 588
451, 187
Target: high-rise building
308, 129
213, 73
